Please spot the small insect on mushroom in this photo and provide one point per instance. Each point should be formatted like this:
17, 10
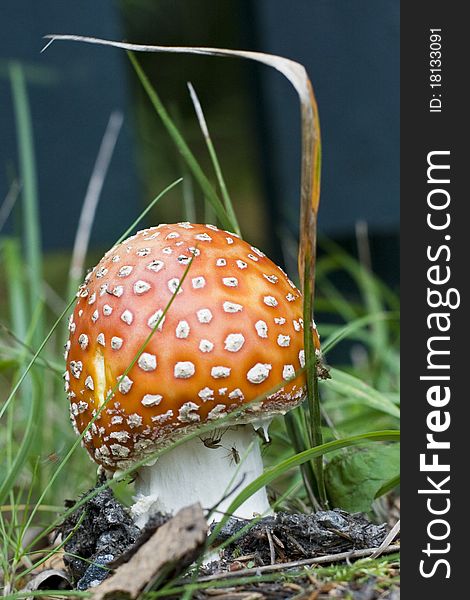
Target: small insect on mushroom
147, 373
233, 454
213, 440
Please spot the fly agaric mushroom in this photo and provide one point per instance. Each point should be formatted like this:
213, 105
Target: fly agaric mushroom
232, 334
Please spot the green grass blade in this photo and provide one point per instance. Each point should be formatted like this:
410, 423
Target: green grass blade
31, 223
210, 215
252, 522
388, 486
189, 201
22, 453
337, 303
215, 161
15, 356
313, 397
374, 304
18, 308
189, 204
7, 402
182, 146
295, 431
353, 387
9, 202
354, 326
16, 290
130, 229
339, 257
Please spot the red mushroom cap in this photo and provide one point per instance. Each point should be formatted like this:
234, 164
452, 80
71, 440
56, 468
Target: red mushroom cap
233, 333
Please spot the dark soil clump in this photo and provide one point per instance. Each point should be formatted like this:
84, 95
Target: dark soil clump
102, 536
100, 531
290, 537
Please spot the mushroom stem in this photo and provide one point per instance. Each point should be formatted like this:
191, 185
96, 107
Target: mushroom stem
203, 472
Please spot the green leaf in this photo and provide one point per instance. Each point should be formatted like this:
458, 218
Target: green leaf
354, 477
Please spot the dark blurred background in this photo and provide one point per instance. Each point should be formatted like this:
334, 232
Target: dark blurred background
349, 47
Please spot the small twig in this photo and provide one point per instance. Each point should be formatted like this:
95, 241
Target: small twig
277, 541
342, 534
392, 534
272, 551
246, 557
297, 544
363, 553
314, 504
93, 193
